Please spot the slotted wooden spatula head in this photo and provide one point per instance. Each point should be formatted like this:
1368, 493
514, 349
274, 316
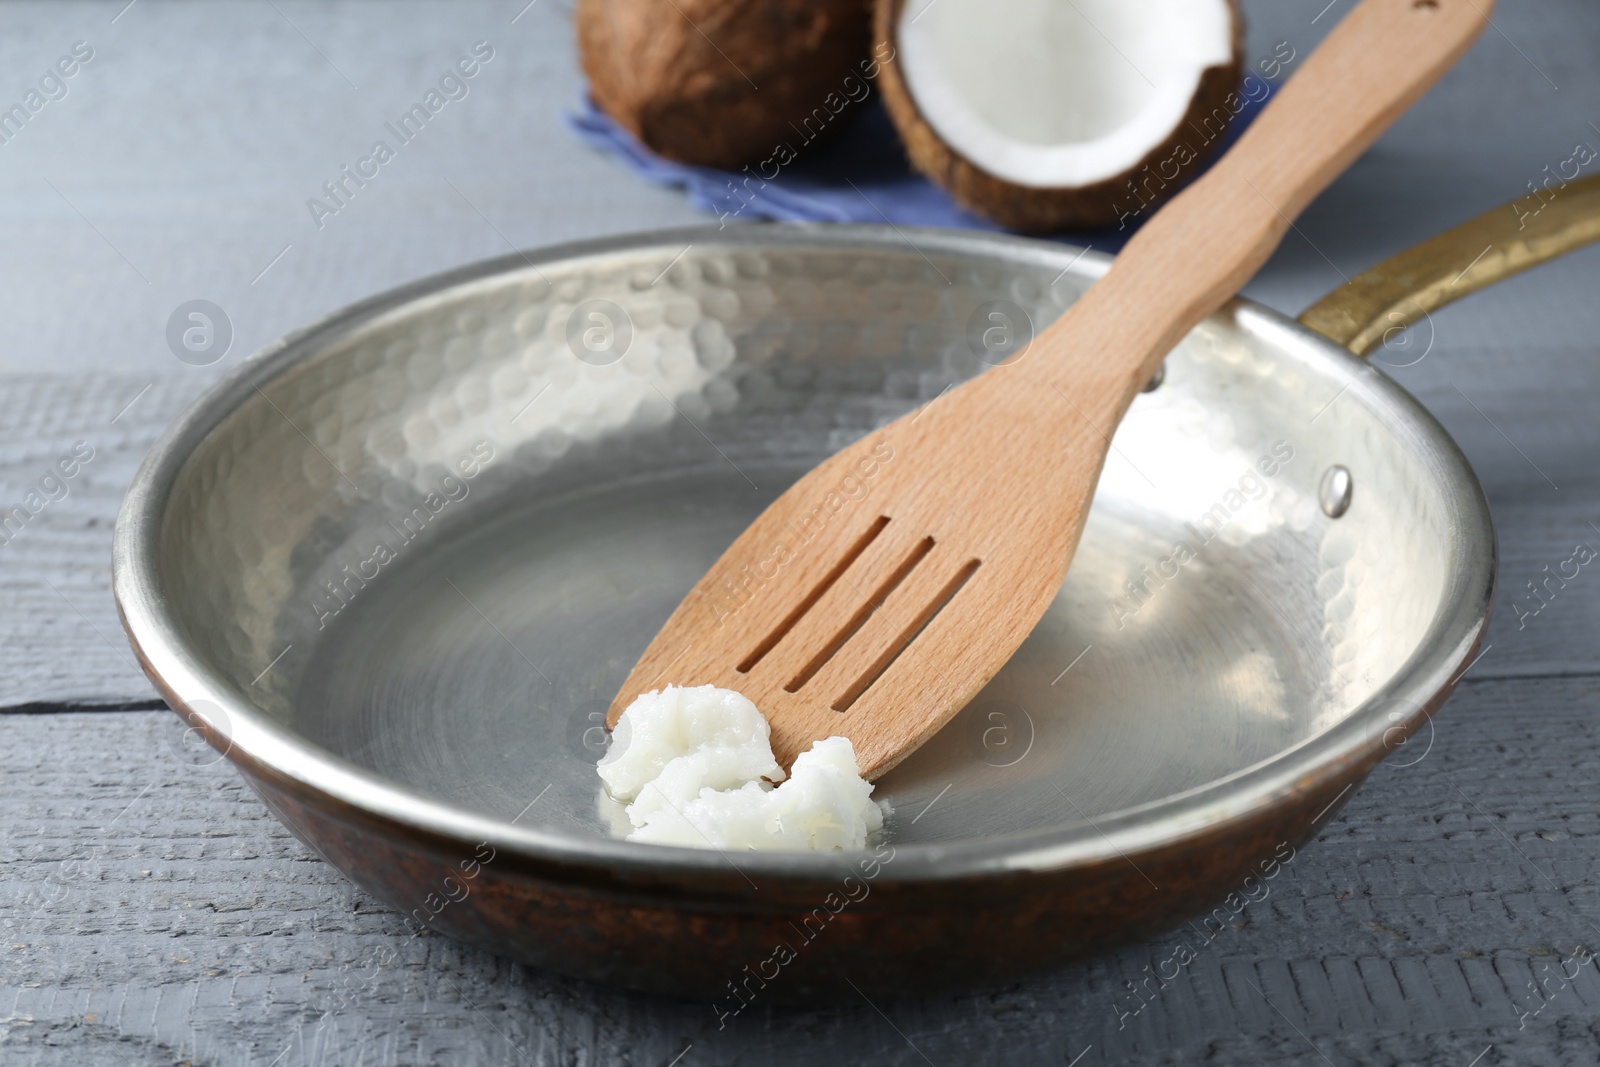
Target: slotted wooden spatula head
885, 587
878, 594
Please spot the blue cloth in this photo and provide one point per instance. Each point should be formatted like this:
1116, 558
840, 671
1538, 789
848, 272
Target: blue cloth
860, 175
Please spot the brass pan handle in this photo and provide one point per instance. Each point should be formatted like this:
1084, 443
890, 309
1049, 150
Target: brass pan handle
1495, 245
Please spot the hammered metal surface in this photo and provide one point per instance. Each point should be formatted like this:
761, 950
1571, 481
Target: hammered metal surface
396, 564
449, 535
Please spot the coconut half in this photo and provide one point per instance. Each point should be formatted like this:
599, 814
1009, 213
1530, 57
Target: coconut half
724, 83
1046, 114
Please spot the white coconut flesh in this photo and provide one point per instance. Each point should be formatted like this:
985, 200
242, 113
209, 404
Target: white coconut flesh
1058, 93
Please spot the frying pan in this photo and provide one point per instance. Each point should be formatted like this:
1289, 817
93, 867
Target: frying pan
394, 566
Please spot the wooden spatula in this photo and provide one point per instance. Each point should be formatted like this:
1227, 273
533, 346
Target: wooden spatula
879, 615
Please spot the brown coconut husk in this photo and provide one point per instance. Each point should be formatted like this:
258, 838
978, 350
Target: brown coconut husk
723, 83
1115, 201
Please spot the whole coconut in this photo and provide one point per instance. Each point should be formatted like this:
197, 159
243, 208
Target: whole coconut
723, 83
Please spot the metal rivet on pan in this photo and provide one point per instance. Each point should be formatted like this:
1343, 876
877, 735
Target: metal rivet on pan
1155, 379
1334, 494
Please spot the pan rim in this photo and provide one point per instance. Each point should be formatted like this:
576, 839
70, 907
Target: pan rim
1342, 754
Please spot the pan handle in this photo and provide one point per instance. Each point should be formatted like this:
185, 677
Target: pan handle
1479, 252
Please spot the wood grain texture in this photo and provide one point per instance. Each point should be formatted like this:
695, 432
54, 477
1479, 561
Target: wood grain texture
60, 640
152, 907
880, 624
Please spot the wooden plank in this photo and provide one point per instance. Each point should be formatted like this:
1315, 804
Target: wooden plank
137, 191
60, 640
154, 907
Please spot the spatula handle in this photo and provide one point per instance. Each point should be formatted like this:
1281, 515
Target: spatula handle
1201, 248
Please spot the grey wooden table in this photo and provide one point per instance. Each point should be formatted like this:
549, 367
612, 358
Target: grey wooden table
153, 912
